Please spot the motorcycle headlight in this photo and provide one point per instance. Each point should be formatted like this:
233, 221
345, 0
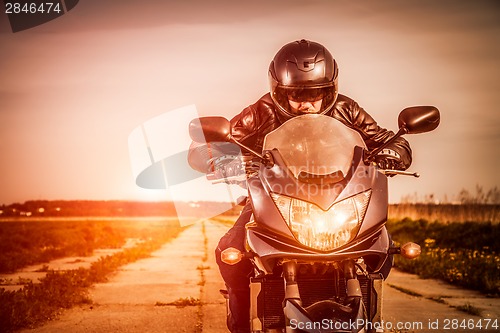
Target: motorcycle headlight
319, 229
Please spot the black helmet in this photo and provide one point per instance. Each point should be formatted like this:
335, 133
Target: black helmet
303, 70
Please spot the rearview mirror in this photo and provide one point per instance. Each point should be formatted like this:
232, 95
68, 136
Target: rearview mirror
418, 119
210, 129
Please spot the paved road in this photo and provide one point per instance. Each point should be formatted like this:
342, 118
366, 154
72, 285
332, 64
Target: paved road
136, 298
435, 308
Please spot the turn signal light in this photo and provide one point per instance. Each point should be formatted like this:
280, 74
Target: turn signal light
231, 256
410, 250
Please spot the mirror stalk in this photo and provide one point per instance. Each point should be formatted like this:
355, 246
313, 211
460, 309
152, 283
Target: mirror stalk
253, 152
373, 153
266, 158
412, 120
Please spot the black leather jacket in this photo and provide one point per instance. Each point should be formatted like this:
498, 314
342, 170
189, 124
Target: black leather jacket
254, 122
257, 120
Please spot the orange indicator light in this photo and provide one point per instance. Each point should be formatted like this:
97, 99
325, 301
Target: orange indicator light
231, 256
410, 250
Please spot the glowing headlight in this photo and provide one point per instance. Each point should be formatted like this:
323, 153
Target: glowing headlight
319, 229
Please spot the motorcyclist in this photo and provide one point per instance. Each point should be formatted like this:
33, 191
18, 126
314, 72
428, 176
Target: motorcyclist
303, 79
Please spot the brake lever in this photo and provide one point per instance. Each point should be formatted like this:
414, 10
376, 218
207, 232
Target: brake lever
399, 172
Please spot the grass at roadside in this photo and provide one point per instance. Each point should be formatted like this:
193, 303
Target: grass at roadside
38, 302
25, 243
181, 302
464, 254
470, 309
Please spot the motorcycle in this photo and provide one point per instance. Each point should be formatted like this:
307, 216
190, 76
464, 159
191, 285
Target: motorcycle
317, 238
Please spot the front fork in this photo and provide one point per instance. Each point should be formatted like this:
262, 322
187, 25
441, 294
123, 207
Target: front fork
292, 304
353, 288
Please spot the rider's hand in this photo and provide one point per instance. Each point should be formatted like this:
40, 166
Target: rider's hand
229, 166
388, 159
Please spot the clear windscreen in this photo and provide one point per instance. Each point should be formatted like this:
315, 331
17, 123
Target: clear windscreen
315, 144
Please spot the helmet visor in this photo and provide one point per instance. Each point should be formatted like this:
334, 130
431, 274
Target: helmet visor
283, 96
306, 94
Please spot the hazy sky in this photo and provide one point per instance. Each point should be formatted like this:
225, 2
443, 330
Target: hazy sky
73, 89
